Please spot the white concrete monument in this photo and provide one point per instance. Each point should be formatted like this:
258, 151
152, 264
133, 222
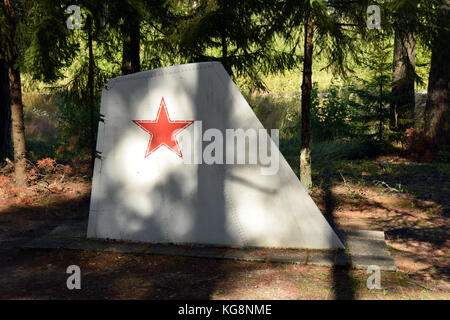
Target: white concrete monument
185, 160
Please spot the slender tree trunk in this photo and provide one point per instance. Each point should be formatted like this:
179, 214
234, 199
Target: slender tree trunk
223, 40
225, 53
437, 109
380, 109
131, 47
403, 104
18, 128
305, 151
5, 112
90, 85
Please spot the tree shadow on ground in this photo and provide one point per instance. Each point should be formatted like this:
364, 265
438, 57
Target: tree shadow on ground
29, 222
152, 225
425, 181
41, 273
344, 285
427, 184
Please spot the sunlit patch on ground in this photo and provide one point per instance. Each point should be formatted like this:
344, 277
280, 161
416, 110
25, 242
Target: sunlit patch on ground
416, 228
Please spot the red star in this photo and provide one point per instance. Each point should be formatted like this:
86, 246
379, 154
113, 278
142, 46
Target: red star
163, 131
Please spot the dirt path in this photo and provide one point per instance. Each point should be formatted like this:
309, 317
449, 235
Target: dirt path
409, 201
417, 232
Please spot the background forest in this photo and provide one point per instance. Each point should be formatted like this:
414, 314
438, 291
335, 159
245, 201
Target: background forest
365, 91
359, 90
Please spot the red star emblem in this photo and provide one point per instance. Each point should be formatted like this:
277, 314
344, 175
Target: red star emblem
163, 131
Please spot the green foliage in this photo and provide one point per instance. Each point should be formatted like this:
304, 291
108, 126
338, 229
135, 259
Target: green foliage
73, 105
274, 113
374, 91
344, 126
240, 34
73, 119
338, 26
42, 43
362, 147
50, 47
443, 155
256, 40
39, 149
331, 115
156, 22
41, 134
326, 152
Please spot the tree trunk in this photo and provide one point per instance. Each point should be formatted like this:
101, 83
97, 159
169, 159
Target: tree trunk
131, 47
225, 53
305, 151
380, 109
437, 109
18, 128
223, 41
5, 113
90, 85
403, 104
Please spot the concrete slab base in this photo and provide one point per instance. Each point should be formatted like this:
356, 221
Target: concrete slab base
368, 248
328, 259
363, 248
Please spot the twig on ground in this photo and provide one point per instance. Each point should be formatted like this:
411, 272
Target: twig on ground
63, 175
9, 166
390, 189
349, 188
46, 186
343, 179
32, 164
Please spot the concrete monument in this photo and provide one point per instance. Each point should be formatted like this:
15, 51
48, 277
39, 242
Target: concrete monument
184, 159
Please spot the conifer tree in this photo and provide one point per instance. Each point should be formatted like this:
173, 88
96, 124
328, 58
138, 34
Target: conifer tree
403, 16
5, 113
240, 34
34, 40
331, 27
437, 110
10, 8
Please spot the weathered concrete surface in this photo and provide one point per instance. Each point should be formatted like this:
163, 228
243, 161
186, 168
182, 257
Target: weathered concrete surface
72, 229
365, 252
297, 258
51, 243
158, 198
363, 247
328, 259
211, 253
360, 253
244, 255
386, 263
363, 234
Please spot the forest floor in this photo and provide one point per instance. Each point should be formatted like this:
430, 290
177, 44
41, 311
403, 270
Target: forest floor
408, 200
